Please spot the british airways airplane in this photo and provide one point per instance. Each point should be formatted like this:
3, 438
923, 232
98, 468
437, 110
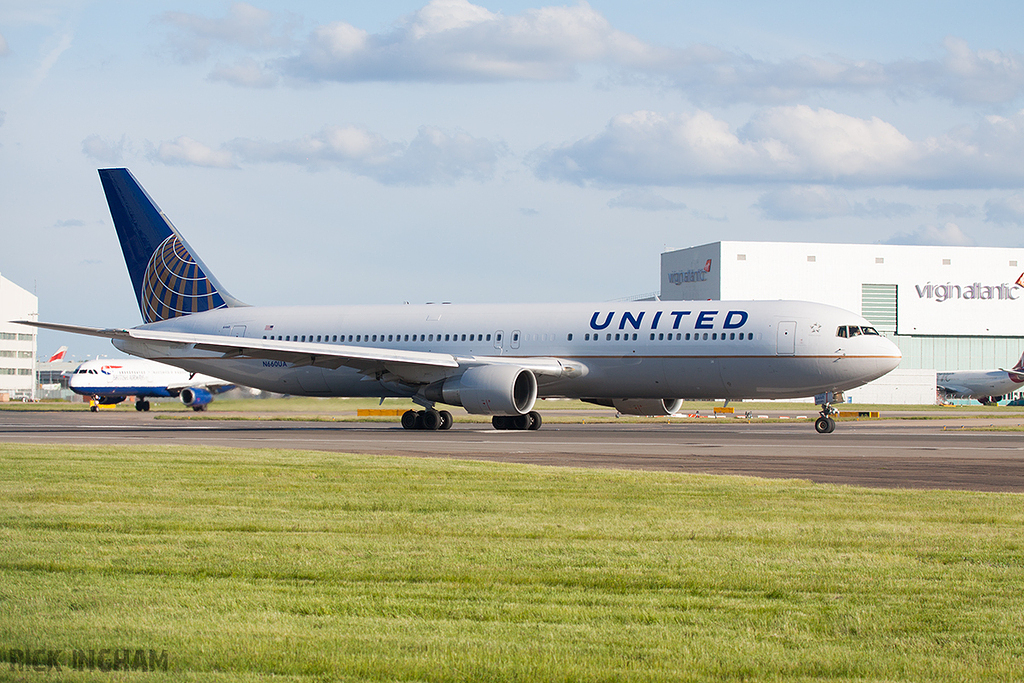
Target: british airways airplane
496, 360
110, 381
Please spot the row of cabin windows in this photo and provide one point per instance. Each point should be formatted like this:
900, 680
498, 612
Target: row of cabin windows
336, 338
661, 336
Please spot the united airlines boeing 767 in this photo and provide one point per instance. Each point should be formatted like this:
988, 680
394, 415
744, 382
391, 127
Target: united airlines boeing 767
642, 357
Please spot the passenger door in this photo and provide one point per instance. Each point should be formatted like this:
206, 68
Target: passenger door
786, 343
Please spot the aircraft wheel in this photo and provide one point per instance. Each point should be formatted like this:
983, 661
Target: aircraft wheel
145, 406
536, 421
199, 409
446, 420
409, 419
92, 408
500, 422
139, 406
824, 425
432, 420
522, 422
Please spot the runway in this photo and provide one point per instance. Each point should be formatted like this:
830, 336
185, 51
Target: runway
883, 454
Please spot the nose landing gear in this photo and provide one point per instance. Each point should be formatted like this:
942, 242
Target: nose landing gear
826, 424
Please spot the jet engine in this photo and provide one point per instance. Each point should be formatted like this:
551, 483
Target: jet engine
196, 398
641, 406
488, 390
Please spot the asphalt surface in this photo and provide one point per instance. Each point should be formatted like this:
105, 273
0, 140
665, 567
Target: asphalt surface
918, 454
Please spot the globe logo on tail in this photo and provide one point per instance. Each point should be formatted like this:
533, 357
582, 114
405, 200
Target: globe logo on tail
174, 285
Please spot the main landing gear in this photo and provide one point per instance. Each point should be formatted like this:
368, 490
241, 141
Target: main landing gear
142, 406
530, 420
826, 424
431, 420
434, 420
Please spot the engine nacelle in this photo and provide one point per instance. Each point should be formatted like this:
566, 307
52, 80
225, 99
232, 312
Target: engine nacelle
647, 406
488, 390
195, 397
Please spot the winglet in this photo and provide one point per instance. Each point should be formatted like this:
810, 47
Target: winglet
169, 278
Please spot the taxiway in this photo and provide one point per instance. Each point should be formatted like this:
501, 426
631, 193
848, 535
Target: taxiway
887, 454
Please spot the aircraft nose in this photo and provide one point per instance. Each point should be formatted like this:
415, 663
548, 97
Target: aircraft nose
892, 352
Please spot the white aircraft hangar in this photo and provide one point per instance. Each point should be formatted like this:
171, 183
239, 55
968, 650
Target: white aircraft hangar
947, 308
17, 343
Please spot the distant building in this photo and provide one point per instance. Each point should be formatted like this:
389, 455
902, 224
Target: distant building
17, 342
947, 308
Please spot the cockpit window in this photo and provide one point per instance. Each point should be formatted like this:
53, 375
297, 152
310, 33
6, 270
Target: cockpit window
855, 330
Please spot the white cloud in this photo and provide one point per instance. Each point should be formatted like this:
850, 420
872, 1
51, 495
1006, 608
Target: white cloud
956, 210
817, 202
982, 76
246, 72
104, 151
454, 40
962, 75
69, 223
433, 156
196, 37
1008, 210
796, 144
63, 42
949, 234
803, 203
644, 200
184, 151
457, 41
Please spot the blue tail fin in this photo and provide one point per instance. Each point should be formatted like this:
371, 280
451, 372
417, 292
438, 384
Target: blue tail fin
169, 279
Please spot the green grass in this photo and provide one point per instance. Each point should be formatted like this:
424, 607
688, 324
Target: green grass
246, 565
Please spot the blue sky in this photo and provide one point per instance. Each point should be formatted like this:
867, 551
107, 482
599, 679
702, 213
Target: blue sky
333, 152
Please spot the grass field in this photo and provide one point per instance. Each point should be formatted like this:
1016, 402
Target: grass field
247, 565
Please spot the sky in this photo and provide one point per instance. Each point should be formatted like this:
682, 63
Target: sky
403, 151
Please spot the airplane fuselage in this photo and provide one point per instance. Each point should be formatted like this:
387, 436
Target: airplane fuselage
127, 377
980, 384
111, 380
641, 358
697, 349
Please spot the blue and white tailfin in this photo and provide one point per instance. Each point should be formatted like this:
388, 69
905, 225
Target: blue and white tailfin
169, 278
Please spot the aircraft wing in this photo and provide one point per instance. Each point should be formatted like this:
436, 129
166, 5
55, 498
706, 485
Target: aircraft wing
414, 367
214, 385
956, 390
